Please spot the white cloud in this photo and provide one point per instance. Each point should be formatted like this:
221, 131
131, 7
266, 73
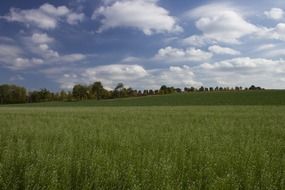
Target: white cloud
246, 71
11, 57
171, 54
246, 64
223, 50
131, 59
131, 75
56, 11
41, 44
23, 63
46, 52
109, 75
46, 16
265, 47
32, 17
41, 38
9, 51
34, 52
144, 15
275, 53
276, 33
75, 18
177, 76
117, 72
275, 13
197, 40
221, 23
72, 58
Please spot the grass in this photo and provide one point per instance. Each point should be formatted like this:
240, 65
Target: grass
197, 147
267, 97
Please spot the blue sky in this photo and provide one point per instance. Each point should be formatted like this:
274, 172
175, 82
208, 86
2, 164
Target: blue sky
142, 43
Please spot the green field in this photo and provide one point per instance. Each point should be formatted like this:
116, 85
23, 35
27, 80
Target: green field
208, 140
266, 97
189, 147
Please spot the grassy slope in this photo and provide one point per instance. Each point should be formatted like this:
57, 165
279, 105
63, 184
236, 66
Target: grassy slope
269, 97
207, 147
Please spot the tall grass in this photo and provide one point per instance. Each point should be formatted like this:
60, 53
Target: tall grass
143, 148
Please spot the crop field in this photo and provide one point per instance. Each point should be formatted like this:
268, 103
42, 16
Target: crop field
151, 147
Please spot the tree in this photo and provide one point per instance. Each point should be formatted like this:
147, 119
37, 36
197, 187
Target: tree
131, 92
166, 90
97, 89
145, 92
252, 87
178, 90
120, 91
45, 95
119, 87
62, 95
193, 89
80, 92
11, 94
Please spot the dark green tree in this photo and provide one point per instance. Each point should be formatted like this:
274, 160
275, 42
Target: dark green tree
97, 90
11, 94
80, 92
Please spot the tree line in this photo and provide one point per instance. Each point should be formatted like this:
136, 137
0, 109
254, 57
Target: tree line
12, 94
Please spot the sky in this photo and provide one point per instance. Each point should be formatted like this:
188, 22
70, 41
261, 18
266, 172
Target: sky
142, 43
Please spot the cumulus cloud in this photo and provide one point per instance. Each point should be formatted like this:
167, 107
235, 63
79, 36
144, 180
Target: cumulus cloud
110, 75
247, 64
177, 76
46, 16
12, 57
246, 71
41, 38
275, 13
23, 63
42, 44
69, 58
144, 15
52, 10
223, 50
221, 23
197, 40
275, 53
46, 52
265, 47
171, 54
9, 51
9, 57
75, 18
33, 52
275, 33
131, 75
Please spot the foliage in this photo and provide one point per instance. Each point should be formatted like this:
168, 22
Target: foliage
98, 90
11, 94
41, 96
80, 92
